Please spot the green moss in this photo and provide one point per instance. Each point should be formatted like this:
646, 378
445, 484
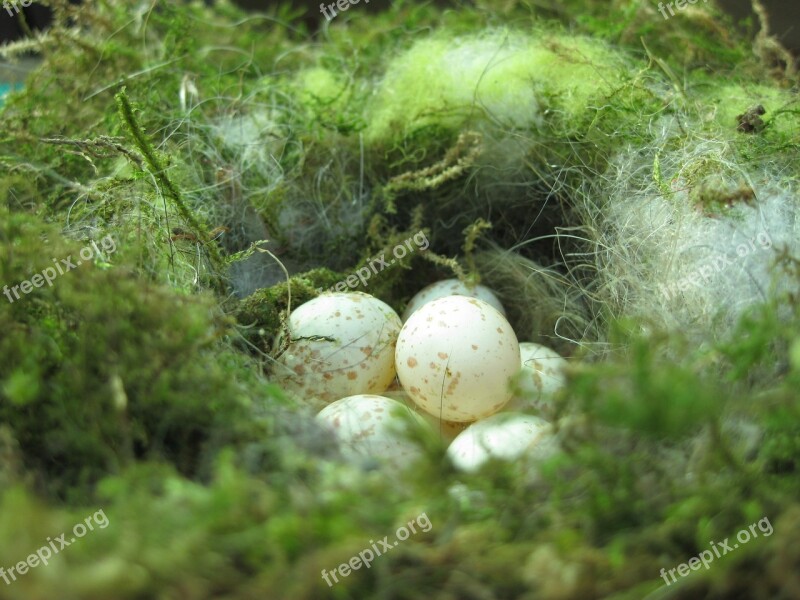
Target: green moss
123, 365
699, 37
457, 84
725, 103
323, 86
262, 312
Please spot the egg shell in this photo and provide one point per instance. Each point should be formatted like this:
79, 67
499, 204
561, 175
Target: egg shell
444, 430
541, 376
451, 287
370, 427
455, 357
343, 345
504, 436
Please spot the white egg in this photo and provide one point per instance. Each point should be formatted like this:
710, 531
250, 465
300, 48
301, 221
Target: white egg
451, 287
373, 427
342, 344
504, 436
455, 357
541, 376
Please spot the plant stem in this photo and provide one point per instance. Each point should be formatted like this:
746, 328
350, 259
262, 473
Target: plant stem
160, 173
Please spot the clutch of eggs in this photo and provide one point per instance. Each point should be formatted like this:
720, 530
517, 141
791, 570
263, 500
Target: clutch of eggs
341, 344
455, 358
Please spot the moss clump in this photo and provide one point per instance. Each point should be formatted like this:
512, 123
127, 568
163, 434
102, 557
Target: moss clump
261, 314
503, 77
108, 379
728, 104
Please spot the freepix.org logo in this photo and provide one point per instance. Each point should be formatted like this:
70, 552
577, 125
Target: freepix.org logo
43, 555
720, 549
376, 264
62, 265
366, 556
13, 8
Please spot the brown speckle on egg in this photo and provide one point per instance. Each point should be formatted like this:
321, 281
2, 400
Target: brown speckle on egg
433, 334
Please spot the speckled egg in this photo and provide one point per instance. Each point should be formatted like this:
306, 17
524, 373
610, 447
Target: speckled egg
342, 344
504, 436
541, 376
451, 287
455, 357
370, 427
